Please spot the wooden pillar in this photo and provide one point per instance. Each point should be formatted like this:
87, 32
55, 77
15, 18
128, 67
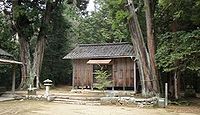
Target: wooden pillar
123, 77
81, 75
166, 94
13, 79
113, 79
73, 76
134, 77
113, 87
37, 82
122, 69
91, 77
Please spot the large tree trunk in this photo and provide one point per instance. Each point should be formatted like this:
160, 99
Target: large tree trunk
25, 59
24, 46
141, 50
143, 61
40, 45
38, 59
149, 5
30, 72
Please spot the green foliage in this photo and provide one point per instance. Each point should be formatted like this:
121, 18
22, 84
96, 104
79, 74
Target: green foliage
179, 50
117, 11
108, 24
6, 41
102, 79
28, 18
101, 27
58, 44
8, 44
184, 12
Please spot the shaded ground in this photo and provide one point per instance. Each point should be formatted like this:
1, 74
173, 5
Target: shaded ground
26, 107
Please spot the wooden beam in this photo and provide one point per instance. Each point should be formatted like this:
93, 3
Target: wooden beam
166, 94
99, 61
73, 76
113, 82
13, 79
5, 61
134, 75
92, 78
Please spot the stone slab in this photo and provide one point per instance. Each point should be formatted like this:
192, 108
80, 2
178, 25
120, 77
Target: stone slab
6, 99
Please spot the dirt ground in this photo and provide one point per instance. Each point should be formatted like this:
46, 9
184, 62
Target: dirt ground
30, 107
27, 107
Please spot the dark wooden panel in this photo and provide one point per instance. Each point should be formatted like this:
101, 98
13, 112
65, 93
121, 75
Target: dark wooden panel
83, 73
122, 74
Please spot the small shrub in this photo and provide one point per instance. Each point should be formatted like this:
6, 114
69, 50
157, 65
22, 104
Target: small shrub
102, 79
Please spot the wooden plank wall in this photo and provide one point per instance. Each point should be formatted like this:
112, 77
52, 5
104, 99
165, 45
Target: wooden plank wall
123, 72
83, 73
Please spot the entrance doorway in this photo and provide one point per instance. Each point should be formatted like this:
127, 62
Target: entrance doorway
104, 67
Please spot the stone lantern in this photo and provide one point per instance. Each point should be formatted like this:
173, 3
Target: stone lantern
47, 84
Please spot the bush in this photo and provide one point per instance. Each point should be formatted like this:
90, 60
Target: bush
102, 79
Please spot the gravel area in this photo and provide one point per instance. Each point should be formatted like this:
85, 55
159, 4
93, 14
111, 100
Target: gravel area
28, 107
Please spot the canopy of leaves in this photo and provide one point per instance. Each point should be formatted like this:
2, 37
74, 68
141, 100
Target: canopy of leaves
6, 41
58, 45
28, 16
101, 27
185, 13
8, 44
179, 50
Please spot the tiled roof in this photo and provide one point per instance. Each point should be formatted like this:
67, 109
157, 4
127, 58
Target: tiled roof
4, 53
108, 50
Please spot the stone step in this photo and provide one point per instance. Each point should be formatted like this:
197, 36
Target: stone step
75, 95
85, 98
75, 100
61, 97
78, 102
92, 98
106, 92
6, 99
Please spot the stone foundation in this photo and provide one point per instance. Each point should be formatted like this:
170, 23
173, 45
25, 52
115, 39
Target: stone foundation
40, 97
128, 101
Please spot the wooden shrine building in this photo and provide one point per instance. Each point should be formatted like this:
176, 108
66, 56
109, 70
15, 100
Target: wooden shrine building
6, 58
116, 58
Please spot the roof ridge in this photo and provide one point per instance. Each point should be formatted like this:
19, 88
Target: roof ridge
103, 50
5, 53
103, 44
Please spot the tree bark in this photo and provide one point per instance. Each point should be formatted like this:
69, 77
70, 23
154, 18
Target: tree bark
38, 59
141, 50
24, 47
30, 70
40, 45
176, 85
25, 59
151, 42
